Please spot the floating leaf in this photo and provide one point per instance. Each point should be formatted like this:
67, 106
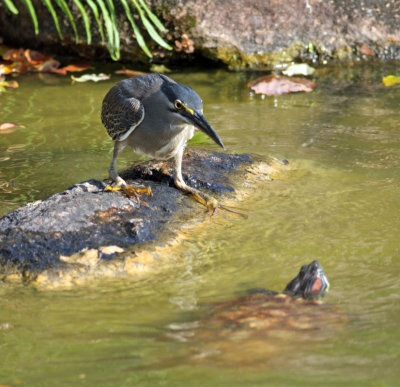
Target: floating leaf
5, 69
91, 77
36, 57
277, 85
76, 67
155, 68
15, 55
12, 84
391, 80
51, 65
129, 73
7, 127
299, 69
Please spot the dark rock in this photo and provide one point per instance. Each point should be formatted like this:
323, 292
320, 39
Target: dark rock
257, 34
34, 237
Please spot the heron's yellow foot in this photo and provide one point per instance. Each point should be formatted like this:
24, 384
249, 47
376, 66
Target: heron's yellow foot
128, 190
210, 203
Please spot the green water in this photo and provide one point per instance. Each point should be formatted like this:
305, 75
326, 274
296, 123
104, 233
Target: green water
339, 204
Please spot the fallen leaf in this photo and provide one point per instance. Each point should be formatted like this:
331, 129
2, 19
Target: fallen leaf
15, 55
50, 65
7, 127
299, 69
391, 80
91, 77
12, 84
75, 67
277, 85
129, 73
155, 68
366, 50
20, 67
36, 57
5, 69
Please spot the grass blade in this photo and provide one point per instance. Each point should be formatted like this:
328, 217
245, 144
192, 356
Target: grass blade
11, 6
64, 7
31, 9
92, 5
85, 18
153, 17
52, 11
150, 29
139, 37
114, 27
114, 51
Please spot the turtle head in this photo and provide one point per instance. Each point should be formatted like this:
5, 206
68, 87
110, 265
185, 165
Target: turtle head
310, 283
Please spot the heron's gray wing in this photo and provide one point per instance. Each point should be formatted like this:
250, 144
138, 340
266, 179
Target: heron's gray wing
121, 113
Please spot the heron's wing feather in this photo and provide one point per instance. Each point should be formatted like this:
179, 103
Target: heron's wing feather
121, 114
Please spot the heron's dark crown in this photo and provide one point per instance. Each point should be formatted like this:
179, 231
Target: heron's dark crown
186, 94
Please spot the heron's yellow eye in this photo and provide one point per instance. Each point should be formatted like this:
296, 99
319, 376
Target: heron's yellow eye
178, 104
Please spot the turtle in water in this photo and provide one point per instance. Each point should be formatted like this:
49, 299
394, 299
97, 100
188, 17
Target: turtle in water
263, 321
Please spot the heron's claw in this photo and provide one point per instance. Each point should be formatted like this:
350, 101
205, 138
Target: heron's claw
130, 191
212, 204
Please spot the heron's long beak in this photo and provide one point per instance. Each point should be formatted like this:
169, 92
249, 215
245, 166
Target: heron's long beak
200, 121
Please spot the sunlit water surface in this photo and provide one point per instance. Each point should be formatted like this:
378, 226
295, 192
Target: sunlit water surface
339, 204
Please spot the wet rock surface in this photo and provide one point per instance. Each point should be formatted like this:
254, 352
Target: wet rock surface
84, 216
254, 34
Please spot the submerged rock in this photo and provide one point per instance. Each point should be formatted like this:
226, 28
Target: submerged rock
85, 225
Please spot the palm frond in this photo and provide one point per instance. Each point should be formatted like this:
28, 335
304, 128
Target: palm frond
32, 12
11, 6
85, 18
104, 12
64, 7
53, 13
92, 5
139, 37
150, 29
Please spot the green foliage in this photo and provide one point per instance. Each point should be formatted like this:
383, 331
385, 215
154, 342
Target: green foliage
103, 12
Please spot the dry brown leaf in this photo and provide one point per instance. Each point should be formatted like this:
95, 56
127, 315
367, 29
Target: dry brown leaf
74, 67
129, 73
366, 50
7, 127
12, 84
36, 57
15, 55
278, 84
